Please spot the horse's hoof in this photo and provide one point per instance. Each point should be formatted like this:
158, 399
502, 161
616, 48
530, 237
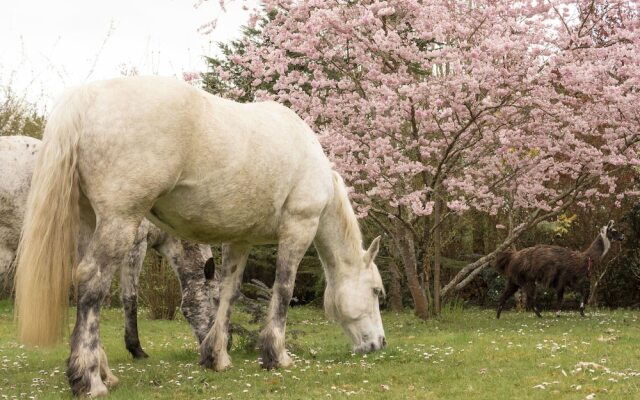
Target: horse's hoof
111, 381
283, 361
220, 363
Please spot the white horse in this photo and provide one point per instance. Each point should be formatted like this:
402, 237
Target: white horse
206, 169
17, 159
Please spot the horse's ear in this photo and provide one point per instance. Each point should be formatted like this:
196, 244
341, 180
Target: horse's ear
371, 254
610, 224
209, 269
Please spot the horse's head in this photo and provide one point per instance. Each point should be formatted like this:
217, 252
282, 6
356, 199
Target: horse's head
613, 234
353, 301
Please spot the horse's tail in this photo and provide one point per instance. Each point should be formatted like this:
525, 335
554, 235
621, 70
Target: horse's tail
502, 261
47, 249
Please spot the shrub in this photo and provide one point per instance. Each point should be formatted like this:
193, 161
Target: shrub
159, 288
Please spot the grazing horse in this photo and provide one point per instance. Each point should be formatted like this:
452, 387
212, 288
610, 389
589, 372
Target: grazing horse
205, 169
17, 158
553, 267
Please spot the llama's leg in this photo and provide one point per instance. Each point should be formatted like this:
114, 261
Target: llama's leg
509, 291
295, 238
560, 297
129, 283
530, 292
213, 350
105, 253
188, 262
584, 294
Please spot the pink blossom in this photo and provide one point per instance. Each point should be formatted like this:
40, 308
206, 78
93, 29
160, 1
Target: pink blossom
494, 104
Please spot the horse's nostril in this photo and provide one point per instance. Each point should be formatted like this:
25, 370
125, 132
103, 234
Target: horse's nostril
373, 347
384, 342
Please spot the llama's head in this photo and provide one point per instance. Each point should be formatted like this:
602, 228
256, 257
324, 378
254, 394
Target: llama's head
612, 234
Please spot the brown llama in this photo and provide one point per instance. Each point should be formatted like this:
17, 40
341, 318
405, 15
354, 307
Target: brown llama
553, 267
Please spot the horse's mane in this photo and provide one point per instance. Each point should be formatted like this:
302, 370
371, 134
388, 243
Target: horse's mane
352, 234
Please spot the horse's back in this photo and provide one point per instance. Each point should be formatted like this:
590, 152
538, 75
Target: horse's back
207, 168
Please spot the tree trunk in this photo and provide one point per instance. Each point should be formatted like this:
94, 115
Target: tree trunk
437, 244
405, 244
426, 273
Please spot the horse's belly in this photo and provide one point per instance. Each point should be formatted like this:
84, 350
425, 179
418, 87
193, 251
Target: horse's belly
205, 217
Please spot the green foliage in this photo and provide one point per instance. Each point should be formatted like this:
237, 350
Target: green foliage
227, 79
18, 117
452, 310
560, 226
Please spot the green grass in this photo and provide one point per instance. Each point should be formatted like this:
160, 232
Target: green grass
463, 355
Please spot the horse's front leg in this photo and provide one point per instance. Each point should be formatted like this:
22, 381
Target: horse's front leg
213, 349
295, 238
88, 371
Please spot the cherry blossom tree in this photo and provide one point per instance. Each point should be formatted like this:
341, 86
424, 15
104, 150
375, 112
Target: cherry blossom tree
430, 109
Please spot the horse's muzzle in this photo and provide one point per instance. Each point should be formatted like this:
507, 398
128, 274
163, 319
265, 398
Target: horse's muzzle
368, 347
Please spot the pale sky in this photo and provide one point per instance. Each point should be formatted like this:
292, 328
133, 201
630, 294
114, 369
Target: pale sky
47, 45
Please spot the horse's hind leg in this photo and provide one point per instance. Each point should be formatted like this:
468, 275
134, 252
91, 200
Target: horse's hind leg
295, 238
129, 283
509, 291
213, 350
188, 262
105, 252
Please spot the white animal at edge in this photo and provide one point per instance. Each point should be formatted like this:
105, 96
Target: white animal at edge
17, 159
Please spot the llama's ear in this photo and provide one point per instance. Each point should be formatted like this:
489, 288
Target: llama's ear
371, 254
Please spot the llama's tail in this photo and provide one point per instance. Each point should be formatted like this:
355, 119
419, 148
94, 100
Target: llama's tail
47, 249
502, 261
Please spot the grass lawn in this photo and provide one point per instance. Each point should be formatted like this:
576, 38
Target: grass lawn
464, 355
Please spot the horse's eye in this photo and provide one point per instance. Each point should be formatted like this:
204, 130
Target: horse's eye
377, 291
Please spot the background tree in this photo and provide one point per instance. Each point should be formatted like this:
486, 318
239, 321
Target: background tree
516, 110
